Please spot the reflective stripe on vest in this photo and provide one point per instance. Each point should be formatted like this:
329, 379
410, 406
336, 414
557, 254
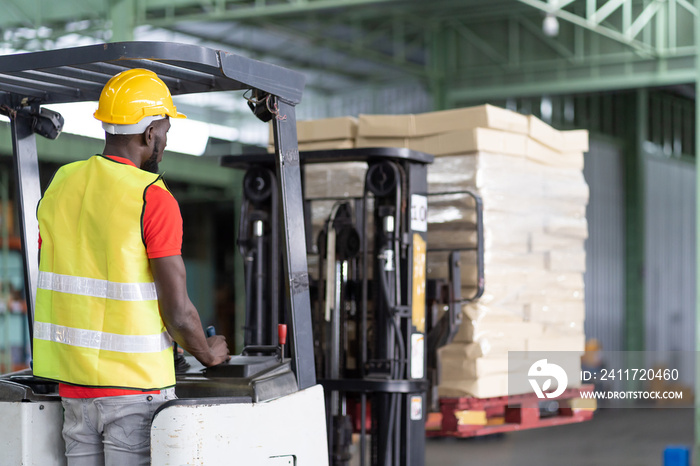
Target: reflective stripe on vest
97, 288
102, 340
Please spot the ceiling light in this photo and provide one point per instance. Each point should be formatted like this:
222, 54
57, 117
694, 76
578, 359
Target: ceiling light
550, 25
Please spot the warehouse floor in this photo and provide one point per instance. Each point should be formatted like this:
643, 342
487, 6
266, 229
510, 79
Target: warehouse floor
619, 437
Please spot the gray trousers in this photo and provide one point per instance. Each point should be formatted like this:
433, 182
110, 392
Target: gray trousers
110, 431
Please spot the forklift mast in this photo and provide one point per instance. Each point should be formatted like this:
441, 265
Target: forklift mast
370, 304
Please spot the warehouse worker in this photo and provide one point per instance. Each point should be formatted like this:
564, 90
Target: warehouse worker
111, 289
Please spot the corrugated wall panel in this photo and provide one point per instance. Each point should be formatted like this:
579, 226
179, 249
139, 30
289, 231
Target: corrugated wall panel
605, 270
670, 259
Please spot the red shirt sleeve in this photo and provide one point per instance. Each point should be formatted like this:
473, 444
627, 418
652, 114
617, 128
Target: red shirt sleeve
162, 224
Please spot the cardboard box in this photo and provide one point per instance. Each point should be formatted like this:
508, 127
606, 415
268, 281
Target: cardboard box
494, 262
474, 331
461, 351
456, 142
442, 235
545, 134
544, 155
460, 369
483, 116
386, 126
562, 329
327, 129
362, 142
327, 145
566, 261
471, 140
567, 227
550, 292
561, 141
425, 124
483, 349
320, 145
452, 207
556, 312
493, 313
575, 140
484, 387
324, 129
572, 188
542, 242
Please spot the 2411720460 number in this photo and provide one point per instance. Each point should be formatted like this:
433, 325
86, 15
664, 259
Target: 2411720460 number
638, 374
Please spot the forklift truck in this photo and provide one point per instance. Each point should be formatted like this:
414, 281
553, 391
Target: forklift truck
260, 408
377, 319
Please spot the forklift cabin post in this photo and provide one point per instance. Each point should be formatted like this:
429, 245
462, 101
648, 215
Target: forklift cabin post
26, 168
29, 80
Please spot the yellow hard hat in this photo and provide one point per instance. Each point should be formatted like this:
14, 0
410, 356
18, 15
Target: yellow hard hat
131, 96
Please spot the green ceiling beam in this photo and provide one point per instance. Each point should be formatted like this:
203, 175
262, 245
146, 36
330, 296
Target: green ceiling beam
241, 10
359, 51
556, 84
177, 167
478, 42
121, 12
625, 20
622, 37
536, 30
35, 13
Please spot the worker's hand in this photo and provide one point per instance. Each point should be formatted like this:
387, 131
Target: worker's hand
218, 349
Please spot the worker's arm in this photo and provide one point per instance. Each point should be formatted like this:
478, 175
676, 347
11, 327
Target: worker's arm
179, 314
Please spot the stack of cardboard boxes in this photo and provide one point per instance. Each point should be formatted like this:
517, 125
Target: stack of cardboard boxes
530, 179
323, 134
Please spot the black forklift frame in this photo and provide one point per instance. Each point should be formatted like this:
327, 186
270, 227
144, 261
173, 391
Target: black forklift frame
29, 80
365, 387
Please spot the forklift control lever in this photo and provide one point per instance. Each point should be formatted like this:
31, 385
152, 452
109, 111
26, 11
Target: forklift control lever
282, 337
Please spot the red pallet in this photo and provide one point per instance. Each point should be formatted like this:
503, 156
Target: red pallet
519, 412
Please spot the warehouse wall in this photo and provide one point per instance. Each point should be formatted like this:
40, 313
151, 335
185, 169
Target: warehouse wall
604, 278
670, 260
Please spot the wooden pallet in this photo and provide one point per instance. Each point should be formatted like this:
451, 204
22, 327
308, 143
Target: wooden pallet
472, 417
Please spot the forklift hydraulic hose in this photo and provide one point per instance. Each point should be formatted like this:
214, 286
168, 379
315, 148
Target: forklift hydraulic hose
248, 274
402, 354
397, 330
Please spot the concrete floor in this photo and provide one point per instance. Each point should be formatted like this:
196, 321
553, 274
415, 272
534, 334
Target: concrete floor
615, 437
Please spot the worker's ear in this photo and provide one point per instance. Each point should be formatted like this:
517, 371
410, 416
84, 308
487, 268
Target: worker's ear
149, 135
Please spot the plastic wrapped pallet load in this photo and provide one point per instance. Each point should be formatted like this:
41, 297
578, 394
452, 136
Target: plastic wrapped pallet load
529, 176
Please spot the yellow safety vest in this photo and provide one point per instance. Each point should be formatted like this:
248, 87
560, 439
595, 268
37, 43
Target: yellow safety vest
97, 321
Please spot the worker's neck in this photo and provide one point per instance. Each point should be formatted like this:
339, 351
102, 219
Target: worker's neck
123, 151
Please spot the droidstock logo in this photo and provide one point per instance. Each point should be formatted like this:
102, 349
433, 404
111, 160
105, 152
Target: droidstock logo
542, 370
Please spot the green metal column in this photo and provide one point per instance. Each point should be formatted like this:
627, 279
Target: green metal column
123, 16
697, 235
634, 222
438, 63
